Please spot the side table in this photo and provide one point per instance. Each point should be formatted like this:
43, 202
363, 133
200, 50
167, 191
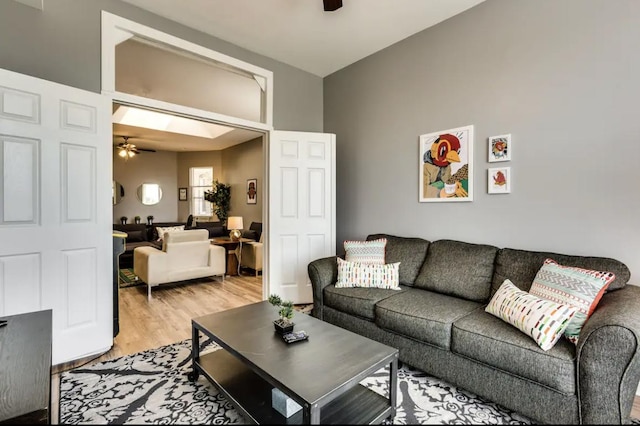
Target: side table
232, 265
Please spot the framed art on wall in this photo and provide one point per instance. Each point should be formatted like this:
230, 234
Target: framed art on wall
499, 148
252, 191
446, 165
499, 180
182, 194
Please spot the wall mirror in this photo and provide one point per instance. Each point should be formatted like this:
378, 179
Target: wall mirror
117, 192
149, 193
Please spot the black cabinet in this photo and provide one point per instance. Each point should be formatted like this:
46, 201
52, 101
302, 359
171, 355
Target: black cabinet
25, 368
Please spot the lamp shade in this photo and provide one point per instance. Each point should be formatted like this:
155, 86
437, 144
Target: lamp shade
234, 222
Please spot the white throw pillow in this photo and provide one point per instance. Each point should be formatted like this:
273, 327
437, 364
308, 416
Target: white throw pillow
162, 229
371, 252
354, 274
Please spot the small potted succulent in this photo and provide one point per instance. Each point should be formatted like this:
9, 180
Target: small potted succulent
150, 220
123, 220
137, 219
283, 324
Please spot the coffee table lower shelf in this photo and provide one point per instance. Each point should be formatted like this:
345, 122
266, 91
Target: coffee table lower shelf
251, 395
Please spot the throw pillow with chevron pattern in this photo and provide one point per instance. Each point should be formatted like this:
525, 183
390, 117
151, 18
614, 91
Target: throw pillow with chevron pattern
578, 287
369, 252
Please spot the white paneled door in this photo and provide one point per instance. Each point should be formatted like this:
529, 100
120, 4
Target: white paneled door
301, 209
55, 211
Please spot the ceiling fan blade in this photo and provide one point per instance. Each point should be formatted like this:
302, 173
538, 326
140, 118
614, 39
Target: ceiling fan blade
331, 5
146, 149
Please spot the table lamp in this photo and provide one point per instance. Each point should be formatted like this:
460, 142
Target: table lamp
234, 223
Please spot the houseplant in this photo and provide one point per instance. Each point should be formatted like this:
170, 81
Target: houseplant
220, 196
150, 220
123, 220
136, 219
283, 324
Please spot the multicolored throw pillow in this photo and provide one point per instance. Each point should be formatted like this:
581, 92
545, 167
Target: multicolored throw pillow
162, 229
541, 319
354, 274
371, 252
580, 288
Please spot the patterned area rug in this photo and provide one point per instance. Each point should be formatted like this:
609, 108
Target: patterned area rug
152, 387
128, 278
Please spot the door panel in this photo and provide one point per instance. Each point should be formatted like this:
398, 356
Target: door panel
301, 209
55, 210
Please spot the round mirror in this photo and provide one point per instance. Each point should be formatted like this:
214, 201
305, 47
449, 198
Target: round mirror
117, 192
149, 193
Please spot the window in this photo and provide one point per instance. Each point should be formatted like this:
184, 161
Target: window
200, 180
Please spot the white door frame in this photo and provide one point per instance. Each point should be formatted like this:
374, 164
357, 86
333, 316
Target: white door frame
116, 29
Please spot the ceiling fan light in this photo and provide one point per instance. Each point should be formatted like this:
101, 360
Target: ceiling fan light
131, 153
123, 153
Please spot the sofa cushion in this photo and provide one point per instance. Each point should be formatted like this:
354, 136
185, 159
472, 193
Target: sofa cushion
578, 287
423, 315
521, 267
491, 341
410, 252
215, 229
541, 319
135, 232
370, 251
356, 301
458, 269
355, 274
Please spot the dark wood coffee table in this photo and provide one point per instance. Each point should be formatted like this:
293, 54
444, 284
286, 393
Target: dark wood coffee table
321, 374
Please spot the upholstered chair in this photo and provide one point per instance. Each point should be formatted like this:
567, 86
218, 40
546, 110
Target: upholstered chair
251, 255
185, 255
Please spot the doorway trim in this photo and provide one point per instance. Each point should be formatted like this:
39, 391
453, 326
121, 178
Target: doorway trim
115, 29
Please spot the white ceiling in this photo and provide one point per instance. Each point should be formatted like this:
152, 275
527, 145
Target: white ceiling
300, 33
297, 32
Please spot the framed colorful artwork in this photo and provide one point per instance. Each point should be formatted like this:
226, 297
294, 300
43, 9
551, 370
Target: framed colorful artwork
499, 180
446, 165
499, 148
252, 191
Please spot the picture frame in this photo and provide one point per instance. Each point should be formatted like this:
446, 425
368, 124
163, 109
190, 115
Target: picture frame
252, 191
500, 148
499, 180
446, 165
182, 194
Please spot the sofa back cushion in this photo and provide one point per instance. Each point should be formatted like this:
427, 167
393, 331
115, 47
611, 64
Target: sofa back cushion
458, 269
521, 267
410, 252
135, 232
215, 229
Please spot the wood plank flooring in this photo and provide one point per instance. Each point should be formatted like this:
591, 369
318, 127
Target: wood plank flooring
167, 318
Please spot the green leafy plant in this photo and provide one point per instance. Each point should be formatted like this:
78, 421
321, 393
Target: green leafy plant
220, 196
286, 310
137, 219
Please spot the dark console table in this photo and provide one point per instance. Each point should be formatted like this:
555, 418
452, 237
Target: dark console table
25, 368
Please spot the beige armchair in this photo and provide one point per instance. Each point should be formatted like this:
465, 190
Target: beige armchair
251, 255
185, 255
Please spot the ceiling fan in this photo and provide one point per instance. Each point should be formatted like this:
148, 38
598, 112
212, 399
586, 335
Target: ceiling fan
332, 5
128, 150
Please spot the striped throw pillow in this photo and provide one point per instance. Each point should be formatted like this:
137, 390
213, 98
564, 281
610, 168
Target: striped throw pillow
354, 274
371, 252
541, 319
580, 288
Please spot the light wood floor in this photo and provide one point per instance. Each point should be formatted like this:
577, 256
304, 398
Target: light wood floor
167, 317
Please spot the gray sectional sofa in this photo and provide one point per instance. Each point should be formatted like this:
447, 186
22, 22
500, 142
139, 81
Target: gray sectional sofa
438, 323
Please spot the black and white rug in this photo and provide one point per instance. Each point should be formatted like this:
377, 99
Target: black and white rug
152, 387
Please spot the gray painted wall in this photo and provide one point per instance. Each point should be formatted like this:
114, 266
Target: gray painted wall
62, 44
148, 167
561, 77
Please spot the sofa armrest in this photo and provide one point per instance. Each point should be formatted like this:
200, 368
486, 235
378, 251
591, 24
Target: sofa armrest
150, 264
322, 272
218, 258
608, 358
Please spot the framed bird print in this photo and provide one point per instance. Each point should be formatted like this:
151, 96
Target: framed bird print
499, 148
499, 180
445, 165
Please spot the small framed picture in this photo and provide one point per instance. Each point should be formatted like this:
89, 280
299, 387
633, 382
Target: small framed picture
252, 191
499, 180
499, 148
182, 194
